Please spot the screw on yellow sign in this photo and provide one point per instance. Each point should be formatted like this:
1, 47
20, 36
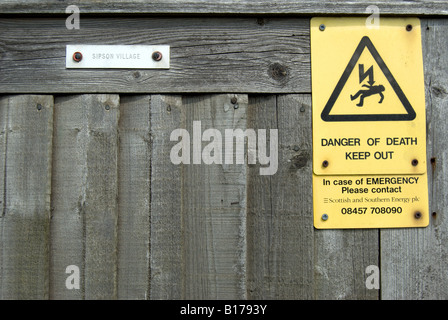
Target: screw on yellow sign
369, 127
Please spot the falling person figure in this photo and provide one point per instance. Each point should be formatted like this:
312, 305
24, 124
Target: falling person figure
366, 93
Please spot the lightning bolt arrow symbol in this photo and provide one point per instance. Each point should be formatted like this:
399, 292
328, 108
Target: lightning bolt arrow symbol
368, 73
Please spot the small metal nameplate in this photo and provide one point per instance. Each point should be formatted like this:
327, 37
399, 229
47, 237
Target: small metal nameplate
117, 57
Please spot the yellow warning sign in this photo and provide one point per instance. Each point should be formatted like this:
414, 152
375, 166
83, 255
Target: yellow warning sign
368, 97
370, 201
369, 127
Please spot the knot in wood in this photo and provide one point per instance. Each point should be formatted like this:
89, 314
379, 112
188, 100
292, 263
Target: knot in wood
278, 71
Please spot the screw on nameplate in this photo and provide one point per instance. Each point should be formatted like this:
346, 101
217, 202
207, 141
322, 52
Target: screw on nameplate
77, 56
157, 56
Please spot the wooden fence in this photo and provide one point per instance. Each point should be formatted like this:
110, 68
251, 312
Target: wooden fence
87, 180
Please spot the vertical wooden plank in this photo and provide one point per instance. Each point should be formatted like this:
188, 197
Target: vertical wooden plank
413, 261
214, 205
280, 216
85, 194
101, 198
166, 259
27, 127
134, 197
4, 107
68, 195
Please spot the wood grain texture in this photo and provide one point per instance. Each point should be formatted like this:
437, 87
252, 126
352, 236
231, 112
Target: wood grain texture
166, 257
134, 198
214, 206
413, 261
26, 143
287, 257
94, 186
197, 211
207, 55
4, 123
84, 195
341, 260
307, 7
68, 194
280, 215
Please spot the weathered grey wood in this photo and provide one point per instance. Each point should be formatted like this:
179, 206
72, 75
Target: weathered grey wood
422, 7
198, 235
207, 55
341, 261
167, 258
134, 197
139, 226
4, 108
68, 195
213, 205
414, 261
280, 215
287, 257
26, 146
84, 195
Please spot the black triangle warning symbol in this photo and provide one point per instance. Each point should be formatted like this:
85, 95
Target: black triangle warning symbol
366, 43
